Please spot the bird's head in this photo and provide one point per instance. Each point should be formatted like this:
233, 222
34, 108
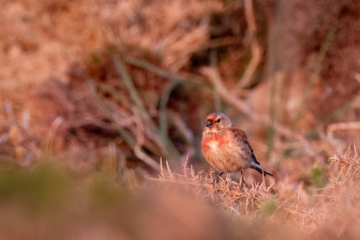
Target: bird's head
216, 121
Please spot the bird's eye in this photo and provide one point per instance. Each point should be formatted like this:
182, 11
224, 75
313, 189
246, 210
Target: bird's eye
218, 120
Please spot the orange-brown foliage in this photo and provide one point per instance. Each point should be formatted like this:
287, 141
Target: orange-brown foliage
133, 80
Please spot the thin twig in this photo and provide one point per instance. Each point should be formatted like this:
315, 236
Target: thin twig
242, 106
229, 97
316, 70
169, 171
161, 169
153, 132
163, 120
219, 42
180, 125
256, 50
116, 94
163, 105
161, 72
185, 164
9, 110
139, 143
122, 71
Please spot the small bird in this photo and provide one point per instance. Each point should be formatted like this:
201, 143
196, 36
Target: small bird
226, 147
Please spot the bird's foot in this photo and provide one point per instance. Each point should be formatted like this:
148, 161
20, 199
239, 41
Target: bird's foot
242, 182
216, 180
214, 183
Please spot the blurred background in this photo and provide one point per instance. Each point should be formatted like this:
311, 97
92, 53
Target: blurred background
94, 93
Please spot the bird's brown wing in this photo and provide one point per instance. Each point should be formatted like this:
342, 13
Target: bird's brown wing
240, 135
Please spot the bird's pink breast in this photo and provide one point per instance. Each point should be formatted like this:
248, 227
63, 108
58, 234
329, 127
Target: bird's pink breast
216, 142
225, 153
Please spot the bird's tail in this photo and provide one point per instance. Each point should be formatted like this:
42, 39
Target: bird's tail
258, 168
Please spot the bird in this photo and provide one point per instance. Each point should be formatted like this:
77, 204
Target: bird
226, 147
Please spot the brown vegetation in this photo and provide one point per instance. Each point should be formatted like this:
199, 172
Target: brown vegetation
105, 89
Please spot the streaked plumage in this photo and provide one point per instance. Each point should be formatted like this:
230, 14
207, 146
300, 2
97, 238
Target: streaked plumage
226, 147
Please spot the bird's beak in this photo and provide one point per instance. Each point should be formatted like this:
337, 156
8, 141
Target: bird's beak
208, 123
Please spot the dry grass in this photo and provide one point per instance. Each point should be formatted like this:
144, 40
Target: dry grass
314, 214
53, 199
94, 93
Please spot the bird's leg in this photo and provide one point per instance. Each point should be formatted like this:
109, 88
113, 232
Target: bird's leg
242, 180
216, 178
214, 182
220, 174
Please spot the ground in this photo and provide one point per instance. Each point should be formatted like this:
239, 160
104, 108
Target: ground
96, 97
